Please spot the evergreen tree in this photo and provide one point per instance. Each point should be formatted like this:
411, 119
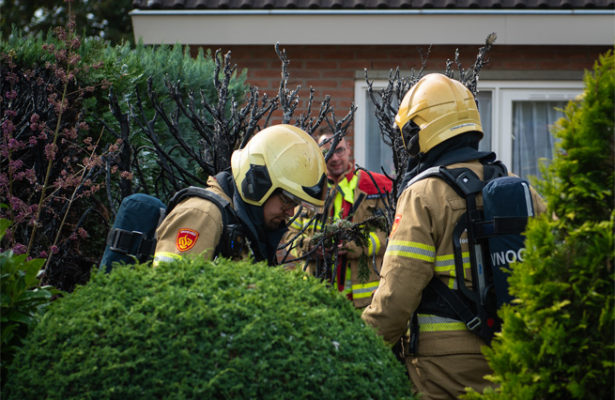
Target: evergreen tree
557, 340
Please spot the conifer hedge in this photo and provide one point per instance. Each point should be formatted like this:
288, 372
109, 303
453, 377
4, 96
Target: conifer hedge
196, 329
558, 340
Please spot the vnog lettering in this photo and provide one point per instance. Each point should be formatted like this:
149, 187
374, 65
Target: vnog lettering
507, 257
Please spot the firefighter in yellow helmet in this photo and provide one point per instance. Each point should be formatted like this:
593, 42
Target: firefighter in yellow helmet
440, 126
280, 168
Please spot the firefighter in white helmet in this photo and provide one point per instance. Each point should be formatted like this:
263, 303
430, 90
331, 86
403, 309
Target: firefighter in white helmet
357, 196
440, 126
280, 168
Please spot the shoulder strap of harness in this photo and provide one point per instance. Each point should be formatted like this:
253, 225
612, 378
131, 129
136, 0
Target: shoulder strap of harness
194, 191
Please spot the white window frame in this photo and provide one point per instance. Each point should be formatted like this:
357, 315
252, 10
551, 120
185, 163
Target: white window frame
504, 93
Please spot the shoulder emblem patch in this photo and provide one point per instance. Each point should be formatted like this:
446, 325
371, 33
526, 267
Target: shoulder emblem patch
396, 223
186, 239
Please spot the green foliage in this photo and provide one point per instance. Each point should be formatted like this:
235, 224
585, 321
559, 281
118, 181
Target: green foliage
28, 52
129, 68
108, 19
557, 341
21, 300
197, 329
579, 184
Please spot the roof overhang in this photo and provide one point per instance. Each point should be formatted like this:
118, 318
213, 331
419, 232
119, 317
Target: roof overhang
374, 27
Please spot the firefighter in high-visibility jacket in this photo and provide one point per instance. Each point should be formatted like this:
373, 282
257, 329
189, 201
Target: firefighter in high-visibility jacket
357, 197
440, 125
280, 168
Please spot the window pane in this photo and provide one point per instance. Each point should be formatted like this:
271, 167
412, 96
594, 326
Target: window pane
532, 140
378, 154
485, 108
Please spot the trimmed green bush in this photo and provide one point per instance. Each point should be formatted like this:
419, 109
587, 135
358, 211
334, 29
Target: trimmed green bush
196, 329
558, 341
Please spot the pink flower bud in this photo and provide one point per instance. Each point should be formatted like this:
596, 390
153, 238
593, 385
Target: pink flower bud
15, 144
74, 59
19, 248
83, 234
126, 175
50, 151
8, 127
31, 175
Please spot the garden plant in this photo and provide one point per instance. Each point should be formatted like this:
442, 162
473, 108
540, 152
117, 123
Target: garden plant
557, 340
67, 161
198, 329
22, 301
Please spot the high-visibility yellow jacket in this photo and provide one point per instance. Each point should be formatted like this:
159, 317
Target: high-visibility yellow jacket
358, 270
419, 247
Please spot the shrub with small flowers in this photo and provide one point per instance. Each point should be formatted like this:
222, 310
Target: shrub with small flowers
69, 155
51, 164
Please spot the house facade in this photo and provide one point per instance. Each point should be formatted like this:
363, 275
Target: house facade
536, 65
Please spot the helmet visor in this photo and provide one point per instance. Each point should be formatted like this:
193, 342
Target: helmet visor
409, 131
410, 137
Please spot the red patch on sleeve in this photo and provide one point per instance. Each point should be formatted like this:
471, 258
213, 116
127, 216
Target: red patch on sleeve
395, 223
186, 239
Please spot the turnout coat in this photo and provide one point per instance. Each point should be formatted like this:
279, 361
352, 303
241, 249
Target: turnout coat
448, 356
194, 227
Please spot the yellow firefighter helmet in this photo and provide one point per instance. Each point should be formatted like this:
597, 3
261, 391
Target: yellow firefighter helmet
438, 108
280, 157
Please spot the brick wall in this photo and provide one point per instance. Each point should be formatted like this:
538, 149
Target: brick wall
331, 70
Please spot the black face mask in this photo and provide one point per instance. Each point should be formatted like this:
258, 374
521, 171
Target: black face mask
410, 133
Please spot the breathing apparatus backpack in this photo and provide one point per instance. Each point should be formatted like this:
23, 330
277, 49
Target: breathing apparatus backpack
495, 239
132, 236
